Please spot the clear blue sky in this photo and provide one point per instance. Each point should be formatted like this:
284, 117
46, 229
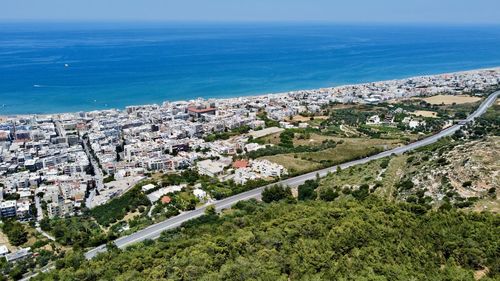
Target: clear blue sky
430, 11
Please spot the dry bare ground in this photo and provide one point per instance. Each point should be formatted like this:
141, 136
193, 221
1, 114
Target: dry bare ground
449, 99
425, 113
300, 118
5, 241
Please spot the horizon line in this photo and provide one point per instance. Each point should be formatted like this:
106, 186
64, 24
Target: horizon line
208, 21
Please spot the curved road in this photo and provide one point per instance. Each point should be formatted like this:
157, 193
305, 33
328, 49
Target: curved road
154, 231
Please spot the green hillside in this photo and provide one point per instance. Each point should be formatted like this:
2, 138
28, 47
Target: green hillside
313, 240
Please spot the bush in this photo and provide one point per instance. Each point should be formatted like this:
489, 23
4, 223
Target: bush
467, 184
385, 163
405, 185
307, 191
109, 179
210, 210
276, 193
328, 194
362, 192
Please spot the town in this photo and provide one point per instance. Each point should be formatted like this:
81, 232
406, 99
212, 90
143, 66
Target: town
55, 166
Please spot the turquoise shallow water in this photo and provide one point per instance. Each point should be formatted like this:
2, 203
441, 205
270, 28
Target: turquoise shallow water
114, 65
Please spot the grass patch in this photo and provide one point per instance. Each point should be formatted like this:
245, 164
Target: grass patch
348, 150
293, 165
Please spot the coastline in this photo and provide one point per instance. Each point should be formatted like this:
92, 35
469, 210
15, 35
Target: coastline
257, 96
115, 68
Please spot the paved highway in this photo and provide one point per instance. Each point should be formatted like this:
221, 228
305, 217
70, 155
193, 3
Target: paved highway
154, 231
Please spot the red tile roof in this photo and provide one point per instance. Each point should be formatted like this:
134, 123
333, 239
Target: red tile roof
240, 164
166, 199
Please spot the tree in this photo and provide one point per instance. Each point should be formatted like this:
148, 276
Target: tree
311, 240
111, 247
307, 191
286, 139
276, 193
210, 211
45, 224
328, 194
71, 259
16, 273
362, 192
15, 232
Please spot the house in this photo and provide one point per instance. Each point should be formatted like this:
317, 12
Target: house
412, 124
374, 120
3, 250
166, 200
253, 147
155, 196
8, 209
240, 164
148, 187
60, 208
268, 169
200, 194
197, 111
23, 210
21, 254
243, 175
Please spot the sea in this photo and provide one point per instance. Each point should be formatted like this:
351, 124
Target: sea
68, 67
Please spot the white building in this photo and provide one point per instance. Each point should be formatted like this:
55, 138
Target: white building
268, 169
374, 120
3, 250
148, 187
210, 168
8, 209
155, 196
200, 194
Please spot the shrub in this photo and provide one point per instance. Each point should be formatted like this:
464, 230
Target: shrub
276, 193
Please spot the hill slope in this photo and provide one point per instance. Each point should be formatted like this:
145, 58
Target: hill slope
341, 240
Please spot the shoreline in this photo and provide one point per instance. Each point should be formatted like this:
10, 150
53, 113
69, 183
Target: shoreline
256, 96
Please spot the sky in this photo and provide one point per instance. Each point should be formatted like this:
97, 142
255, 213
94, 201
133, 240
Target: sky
379, 11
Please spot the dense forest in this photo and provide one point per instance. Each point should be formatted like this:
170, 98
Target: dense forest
347, 239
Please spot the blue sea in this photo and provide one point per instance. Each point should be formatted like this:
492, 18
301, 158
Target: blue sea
65, 67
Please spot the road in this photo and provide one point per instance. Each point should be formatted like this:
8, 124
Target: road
44, 269
39, 209
99, 177
39, 217
154, 231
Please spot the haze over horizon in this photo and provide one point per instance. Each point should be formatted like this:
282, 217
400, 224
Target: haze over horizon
362, 11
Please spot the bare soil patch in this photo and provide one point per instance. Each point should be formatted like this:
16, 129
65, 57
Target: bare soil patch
449, 99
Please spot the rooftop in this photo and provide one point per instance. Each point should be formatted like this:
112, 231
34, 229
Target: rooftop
240, 164
166, 199
201, 110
